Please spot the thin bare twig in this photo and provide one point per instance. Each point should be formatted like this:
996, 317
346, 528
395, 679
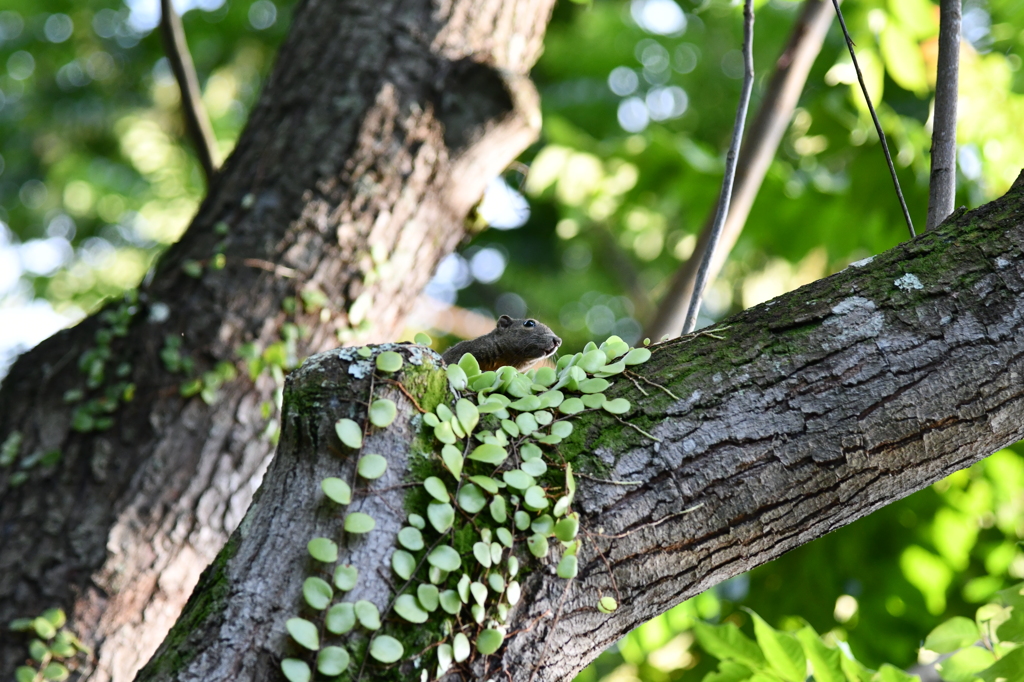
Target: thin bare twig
652, 524
874, 117
279, 270
703, 274
942, 183
764, 135
197, 121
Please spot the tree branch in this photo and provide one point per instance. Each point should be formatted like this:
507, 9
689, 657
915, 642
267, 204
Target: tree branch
704, 271
942, 183
197, 121
807, 413
762, 141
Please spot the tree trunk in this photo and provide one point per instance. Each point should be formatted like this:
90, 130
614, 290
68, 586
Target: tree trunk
375, 135
787, 421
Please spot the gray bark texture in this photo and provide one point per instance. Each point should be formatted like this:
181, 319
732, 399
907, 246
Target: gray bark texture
785, 422
942, 180
375, 135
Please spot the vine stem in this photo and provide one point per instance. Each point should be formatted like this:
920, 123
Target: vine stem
874, 117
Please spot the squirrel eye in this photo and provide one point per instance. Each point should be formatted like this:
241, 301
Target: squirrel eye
529, 323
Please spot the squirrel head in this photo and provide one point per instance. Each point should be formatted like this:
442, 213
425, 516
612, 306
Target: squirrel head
528, 340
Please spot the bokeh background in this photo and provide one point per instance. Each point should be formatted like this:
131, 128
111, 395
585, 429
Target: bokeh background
638, 96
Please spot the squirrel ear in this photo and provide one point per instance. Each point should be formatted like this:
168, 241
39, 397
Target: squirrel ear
504, 321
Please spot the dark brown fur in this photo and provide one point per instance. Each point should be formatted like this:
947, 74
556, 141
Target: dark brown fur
516, 343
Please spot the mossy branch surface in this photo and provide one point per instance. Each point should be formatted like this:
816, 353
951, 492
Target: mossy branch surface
789, 420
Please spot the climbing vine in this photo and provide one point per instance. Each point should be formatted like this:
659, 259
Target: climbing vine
498, 498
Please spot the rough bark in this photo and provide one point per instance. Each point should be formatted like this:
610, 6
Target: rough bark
942, 180
375, 134
793, 419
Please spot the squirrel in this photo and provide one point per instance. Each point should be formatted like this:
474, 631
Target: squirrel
516, 343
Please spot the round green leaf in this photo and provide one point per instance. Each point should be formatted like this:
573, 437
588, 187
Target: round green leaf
431, 420
460, 647
637, 356
409, 608
323, 549
435, 486
469, 365
372, 466
444, 413
561, 429
529, 451
411, 538
452, 459
488, 641
358, 522
382, 413
367, 614
403, 564
389, 361
471, 498
386, 649
489, 407
441, 515
566, 529
504, 536
422, 339
429, 596
345, 577
534, 467
613, 347
527, 423
510, 427
450, 601
317, 593
594, 385
332, 660
349, 433
522, 520
593, 361
294, 670
513, 591
482, 552
337, 490
543, 417
518, 479
340, 618
489, 454
567, 567
956, 633
445, 558
303, 632
607, 604
538, 545
617, 406
571, 406
535, 499
55, 672
486, 482
527, 404
479, 592
468, 414
457, 377
543, 525
463, 586
417, 521
496, 582
593, 400
444, 433
498, 511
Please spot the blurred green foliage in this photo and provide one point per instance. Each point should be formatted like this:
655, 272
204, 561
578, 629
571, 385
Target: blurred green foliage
96, 178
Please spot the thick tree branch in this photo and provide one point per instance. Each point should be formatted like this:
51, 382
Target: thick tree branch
762, 141
942, 183
802, 415
377, 131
